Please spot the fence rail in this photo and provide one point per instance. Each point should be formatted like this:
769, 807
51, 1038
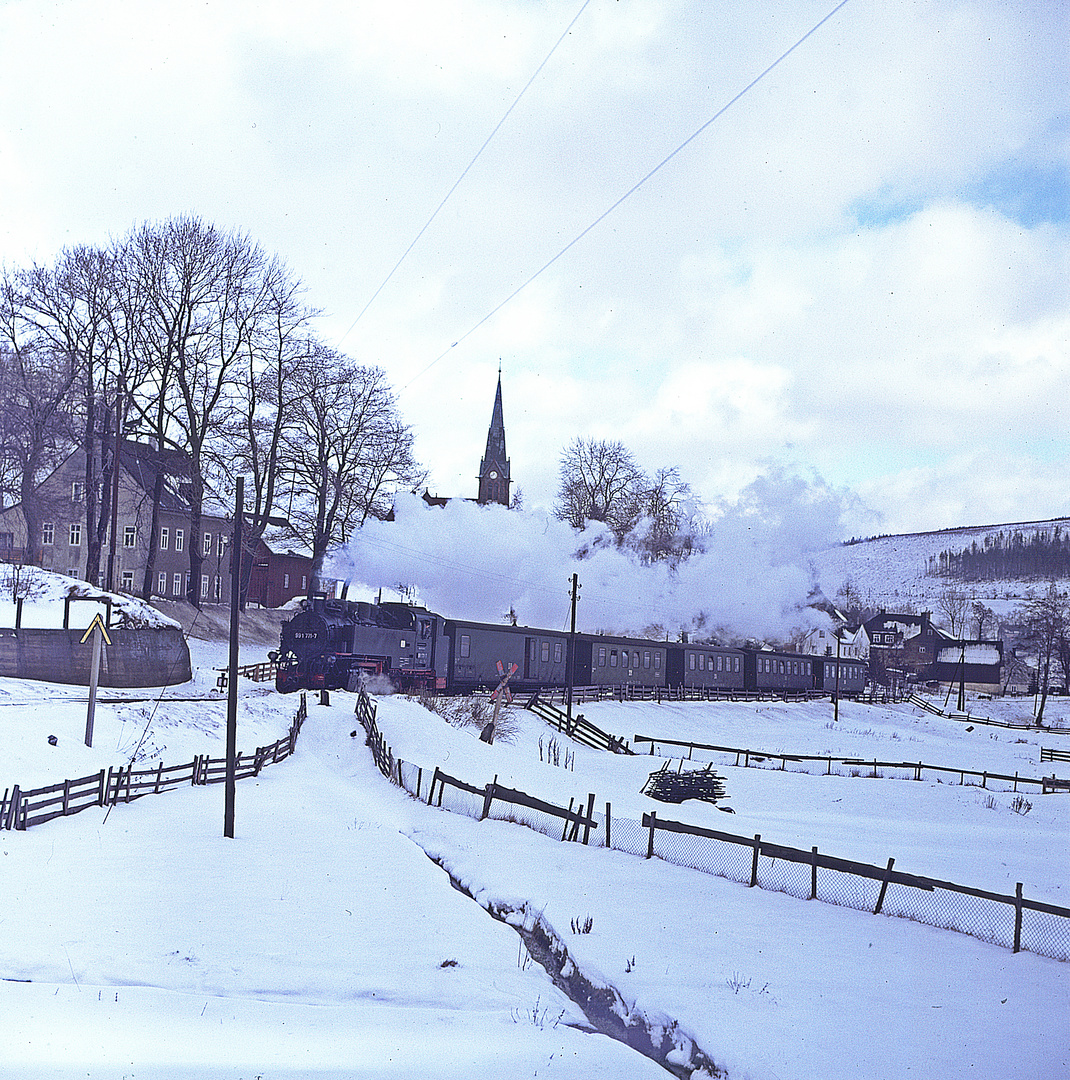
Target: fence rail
1015, 922
578, 727
262, 672
914, 770
928, 706
123, 783
636, 692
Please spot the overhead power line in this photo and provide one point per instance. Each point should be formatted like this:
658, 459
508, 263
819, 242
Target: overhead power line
630, 192
457, 182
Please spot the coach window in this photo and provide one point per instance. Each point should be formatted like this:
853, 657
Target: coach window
466, 646
646, 659
691, 660
558, 652
545, 652
657, 661
612, 657
601, 656
635, 659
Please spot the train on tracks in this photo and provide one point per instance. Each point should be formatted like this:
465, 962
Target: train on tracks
333, 644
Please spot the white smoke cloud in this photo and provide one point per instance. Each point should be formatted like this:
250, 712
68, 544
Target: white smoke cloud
751, 576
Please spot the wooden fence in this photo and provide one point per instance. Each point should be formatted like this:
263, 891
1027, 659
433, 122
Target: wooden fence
392, 768
765, 865
578, 727
873, 767
21, 809
928, 706
634, 692
886, 875
263, 672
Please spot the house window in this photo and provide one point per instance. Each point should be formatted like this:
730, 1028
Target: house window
78, 491
161, 585
48, 534
466, 646
165, 536
221, 542
179, 539
128, 581
304, 582
76, 534
176, 585
217, 587
285, 581
204, 586
7, 542
130, 536
208, 543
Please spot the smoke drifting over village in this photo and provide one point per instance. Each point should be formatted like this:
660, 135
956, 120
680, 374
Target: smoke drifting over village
749, 574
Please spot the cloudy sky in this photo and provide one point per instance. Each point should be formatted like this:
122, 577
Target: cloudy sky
858, 271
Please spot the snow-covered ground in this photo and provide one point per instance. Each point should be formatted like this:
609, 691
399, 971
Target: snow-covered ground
322, 940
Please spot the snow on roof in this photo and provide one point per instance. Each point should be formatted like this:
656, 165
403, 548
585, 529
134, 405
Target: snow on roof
43, 593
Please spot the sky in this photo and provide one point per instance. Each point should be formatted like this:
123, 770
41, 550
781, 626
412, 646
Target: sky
854, 269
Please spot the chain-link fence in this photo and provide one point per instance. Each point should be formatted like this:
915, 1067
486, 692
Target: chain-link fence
1014, 922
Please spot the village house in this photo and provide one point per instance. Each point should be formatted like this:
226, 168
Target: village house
910, 647
63, 540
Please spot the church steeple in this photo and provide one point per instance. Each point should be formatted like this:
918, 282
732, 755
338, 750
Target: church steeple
494, 468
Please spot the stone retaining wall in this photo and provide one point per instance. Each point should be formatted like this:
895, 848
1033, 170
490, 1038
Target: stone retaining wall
154, 657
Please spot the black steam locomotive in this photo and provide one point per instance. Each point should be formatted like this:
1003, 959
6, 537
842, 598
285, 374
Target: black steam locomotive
333, 644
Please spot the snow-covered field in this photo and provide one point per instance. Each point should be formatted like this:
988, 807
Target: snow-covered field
322, 940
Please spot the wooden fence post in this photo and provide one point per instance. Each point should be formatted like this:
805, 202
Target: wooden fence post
653, 827
754, 860
488, 797
564, 831
590, 812
1018, 917
13, 808
101, 790
884, 887
608, 844
813, 873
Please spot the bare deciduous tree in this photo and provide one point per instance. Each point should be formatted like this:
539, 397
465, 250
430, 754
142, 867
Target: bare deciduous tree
952, 605
1044, 619
349, 453
600, 481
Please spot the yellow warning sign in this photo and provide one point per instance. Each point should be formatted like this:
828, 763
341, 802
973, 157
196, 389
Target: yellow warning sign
97, 623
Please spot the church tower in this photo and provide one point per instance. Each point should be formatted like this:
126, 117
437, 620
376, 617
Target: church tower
494, 468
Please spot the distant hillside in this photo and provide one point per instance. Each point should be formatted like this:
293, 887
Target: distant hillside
1002, 564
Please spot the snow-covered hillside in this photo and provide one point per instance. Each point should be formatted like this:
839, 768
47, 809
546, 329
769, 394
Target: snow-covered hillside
891, 571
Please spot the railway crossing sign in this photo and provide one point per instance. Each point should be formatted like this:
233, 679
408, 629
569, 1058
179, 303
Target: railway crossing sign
501, 692
99, 637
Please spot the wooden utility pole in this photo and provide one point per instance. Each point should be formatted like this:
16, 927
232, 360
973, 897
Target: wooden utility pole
232, 675
571, 659
836, 698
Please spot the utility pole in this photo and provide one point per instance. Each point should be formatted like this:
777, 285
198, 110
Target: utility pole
115, 482
232, 676
571, 665
836, 698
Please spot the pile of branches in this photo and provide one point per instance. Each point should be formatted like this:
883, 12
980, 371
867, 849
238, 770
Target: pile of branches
674, 787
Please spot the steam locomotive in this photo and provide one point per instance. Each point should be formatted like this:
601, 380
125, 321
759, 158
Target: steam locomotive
333, 644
